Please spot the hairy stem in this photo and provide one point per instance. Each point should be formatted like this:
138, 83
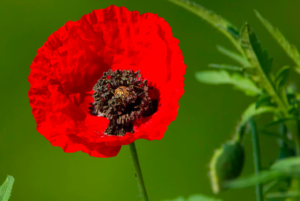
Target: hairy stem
256, 156
138, 172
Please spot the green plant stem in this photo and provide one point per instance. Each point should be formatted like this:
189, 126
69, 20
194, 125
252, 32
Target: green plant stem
138, 172
256, 156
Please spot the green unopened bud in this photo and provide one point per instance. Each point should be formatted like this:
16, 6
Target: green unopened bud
226, 164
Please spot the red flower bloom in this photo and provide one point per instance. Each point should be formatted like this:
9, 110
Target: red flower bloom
123, 106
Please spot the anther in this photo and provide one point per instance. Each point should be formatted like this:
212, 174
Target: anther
122, 97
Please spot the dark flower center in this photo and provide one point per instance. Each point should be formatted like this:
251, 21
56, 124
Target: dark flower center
122, 97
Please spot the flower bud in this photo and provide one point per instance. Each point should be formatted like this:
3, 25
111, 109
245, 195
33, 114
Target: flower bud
226, 164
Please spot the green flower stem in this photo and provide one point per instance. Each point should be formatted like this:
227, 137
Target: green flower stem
138, 171
256, 156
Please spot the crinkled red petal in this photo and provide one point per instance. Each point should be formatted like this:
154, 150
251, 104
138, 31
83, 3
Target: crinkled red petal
74, 57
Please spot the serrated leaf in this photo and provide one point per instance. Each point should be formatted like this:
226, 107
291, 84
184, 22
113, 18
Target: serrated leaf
234, 55
226, 67
195, 198
256, 56
282, 76
224, 26
223, 77
261, 65
291, 50
5, 189
252, 111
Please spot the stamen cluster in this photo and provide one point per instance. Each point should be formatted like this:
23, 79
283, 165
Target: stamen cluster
121, 97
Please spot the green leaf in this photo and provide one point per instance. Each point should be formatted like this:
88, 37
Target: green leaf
264, 100
282, 76
289, 166
5, 189
234, 55
201, 198
195, 198
263, 177
291, 50
224, 26
257, 57
177, 199
226, 67
283, 195
262, 65
223, 77
252, 111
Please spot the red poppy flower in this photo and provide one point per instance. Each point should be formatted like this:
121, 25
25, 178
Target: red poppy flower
104, 81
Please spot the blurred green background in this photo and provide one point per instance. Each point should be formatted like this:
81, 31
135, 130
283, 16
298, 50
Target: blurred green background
177, 164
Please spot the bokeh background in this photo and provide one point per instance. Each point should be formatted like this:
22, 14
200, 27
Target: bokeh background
177, 164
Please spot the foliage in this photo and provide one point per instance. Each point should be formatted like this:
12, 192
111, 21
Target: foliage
253, 74
5, 189
290, 49
224, 77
